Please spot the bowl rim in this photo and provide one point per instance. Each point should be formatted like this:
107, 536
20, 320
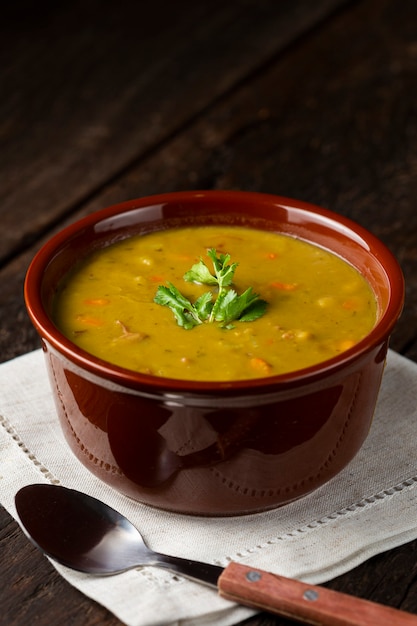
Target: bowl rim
125, 377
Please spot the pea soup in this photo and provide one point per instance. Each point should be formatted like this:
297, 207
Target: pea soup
318, 305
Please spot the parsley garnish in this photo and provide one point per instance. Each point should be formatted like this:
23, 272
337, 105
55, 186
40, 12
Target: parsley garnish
226, 308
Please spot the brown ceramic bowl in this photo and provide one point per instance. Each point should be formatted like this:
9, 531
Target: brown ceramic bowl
215, 448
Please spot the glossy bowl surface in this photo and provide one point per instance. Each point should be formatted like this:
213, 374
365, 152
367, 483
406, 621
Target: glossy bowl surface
212, 448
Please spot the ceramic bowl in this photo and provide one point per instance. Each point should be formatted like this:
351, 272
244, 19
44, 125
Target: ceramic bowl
211, 448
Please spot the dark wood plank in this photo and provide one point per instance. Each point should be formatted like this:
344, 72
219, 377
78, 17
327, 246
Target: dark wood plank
88, 87
331, 120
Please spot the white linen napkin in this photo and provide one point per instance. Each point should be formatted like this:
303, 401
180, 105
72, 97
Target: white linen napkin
371, 506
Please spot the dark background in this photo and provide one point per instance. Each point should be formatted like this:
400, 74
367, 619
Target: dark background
105, 101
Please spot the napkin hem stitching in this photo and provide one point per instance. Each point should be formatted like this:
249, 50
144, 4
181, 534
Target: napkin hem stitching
13, 433
350, 510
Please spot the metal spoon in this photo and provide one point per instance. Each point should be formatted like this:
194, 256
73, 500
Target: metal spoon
89, 536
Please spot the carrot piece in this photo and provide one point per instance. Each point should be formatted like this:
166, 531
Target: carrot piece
157, 278
346, 344
96, 301
185, 257
271, 255
260, 364
351, 304
89, 320
284, 286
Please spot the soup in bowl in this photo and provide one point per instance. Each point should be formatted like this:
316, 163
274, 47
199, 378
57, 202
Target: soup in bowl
215, 352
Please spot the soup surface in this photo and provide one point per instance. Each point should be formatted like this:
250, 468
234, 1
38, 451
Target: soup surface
318, 305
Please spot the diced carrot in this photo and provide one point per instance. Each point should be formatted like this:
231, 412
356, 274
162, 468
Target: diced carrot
351, 304
346, 344
260, 364
271, 255
185, 257
157, 278
89, 320
284, 286
96, 301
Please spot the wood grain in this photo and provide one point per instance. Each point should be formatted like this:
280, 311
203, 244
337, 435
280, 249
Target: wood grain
90, 87
307, 603
311, 100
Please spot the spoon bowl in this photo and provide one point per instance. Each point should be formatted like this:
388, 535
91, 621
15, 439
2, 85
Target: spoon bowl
89, 536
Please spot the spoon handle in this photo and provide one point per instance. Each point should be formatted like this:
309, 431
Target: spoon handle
195, 570
307, 603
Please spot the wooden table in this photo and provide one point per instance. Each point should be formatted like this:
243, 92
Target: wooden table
104, 101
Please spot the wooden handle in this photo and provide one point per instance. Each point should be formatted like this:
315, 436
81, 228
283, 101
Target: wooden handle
306, 603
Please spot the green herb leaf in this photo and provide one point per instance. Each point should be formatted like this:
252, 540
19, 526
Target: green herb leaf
227, 307
218, 306
183, 310
224, 272
246, 307
254, 310
200, 273
203, 305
